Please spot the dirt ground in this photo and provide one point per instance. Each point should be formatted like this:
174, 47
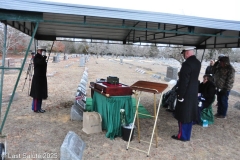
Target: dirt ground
36, 133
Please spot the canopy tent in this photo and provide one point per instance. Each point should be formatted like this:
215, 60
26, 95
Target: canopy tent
44, 20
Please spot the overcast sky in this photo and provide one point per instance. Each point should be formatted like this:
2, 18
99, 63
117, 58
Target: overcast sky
220, 9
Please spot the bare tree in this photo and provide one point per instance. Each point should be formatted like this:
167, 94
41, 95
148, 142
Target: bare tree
153, 52
97, 48
174, 52
15, 39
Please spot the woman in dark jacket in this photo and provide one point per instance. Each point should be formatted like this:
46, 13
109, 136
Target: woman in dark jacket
207, 90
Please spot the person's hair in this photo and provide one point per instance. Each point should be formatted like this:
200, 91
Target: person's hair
209, 77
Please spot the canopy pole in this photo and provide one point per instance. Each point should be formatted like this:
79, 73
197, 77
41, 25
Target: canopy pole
203, 55
4, 50
50, 51
19, 75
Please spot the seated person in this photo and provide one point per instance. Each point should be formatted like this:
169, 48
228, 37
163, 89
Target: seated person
169, 98
206, 97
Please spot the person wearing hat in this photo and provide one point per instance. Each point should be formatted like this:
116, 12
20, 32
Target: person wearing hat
186, 111
224, 79
39, 89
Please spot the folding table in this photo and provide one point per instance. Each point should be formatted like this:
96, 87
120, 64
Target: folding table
151, 87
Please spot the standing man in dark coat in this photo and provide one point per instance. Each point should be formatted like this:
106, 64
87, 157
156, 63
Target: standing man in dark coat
186, 111
39, 89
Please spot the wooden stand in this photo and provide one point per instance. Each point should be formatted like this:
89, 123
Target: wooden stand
151, 87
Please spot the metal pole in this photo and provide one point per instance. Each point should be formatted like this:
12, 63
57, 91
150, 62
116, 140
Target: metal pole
50, 51
203, 55
19, 75
3, 64
35, 48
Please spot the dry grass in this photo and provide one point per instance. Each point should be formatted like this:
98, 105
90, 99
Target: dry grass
28, 132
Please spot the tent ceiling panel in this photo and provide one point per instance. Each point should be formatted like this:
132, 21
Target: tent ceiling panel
127, 26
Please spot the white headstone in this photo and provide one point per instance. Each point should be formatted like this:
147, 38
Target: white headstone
80, 89
85, 77
83, 81
76, 113
72, 147
82, 86
82, 61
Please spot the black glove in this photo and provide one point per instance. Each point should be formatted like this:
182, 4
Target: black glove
223, 91
45, 57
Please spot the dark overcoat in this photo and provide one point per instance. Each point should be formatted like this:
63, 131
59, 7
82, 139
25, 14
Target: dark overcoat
208, 91
39, 88
188, 83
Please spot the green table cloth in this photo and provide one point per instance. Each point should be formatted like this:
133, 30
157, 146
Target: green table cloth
109, 109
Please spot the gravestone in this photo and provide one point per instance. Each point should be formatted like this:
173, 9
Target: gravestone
80, 89
10, 62
85, 73
121, 61
172, 82
7, 99
83, 81
26, 65
85, 77
65, 57
76, 113
80, 92
81, 104
237, 105
81, 96
172, 73
82, 61
72, 147
234, 93
55, 59
58, 57
82, 86
156, 76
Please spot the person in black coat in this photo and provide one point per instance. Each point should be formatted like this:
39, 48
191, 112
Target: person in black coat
39, 89
209, 69
207, 91
186, 111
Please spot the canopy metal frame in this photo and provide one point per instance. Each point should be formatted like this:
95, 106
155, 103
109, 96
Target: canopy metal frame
3, 68
49, 20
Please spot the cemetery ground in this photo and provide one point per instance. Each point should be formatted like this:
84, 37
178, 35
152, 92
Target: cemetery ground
36, 133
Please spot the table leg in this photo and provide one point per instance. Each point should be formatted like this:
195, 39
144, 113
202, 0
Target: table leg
155, 124
155, 117
138, 125
134, 121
